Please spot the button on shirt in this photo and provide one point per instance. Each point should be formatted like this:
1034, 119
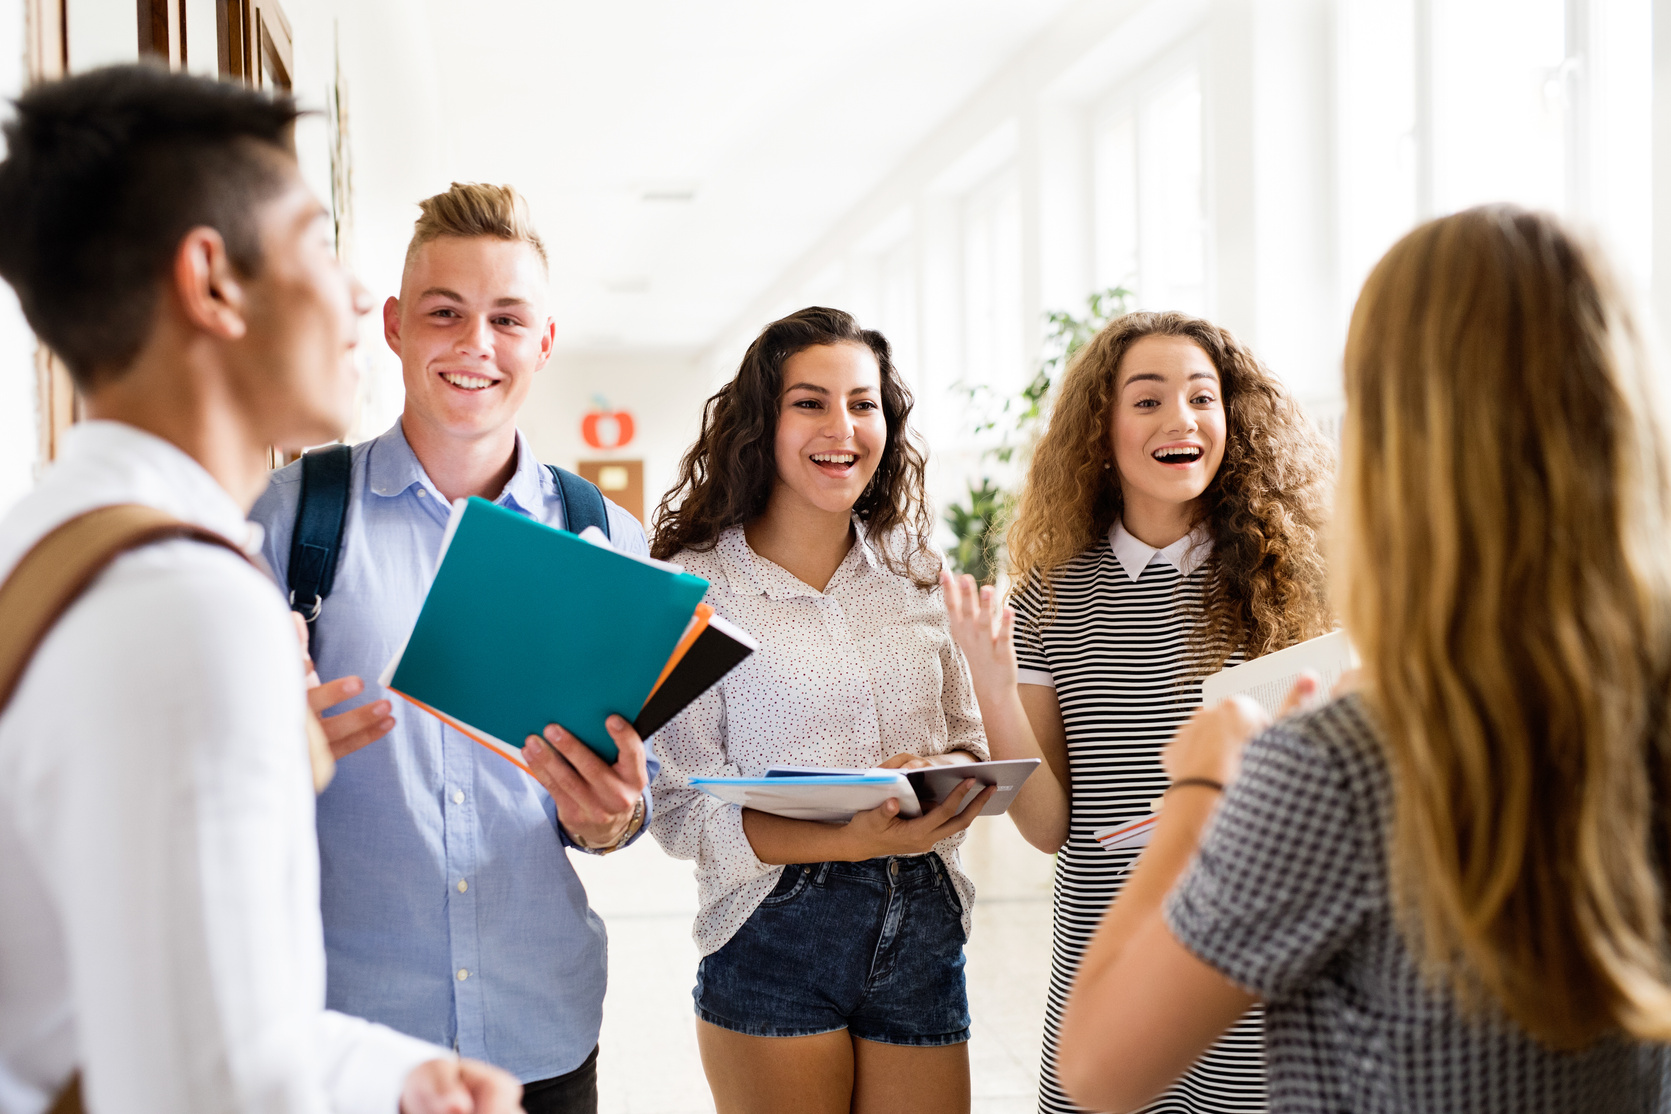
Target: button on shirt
1186, 555
850, 676
160, 922
451, 910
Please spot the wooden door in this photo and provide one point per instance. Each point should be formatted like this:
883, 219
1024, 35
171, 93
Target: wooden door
621, 480
256, 46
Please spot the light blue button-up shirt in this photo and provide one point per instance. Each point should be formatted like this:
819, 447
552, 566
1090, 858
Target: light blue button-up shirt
451, 911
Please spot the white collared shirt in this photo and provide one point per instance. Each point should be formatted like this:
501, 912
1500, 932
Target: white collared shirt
850, 676
1186, 555
159, 928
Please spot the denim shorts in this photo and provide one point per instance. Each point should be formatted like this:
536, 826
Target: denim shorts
874, 947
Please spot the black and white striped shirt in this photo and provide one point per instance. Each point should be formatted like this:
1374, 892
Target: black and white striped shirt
1114, 640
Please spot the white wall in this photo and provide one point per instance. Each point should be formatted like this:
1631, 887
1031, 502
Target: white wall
103, 32
663, 390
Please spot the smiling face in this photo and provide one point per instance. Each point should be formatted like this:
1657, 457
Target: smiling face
294, 373
471, 329
1168, 427
831, 431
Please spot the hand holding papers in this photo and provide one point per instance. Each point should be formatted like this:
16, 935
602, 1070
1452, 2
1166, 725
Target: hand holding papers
1269, 680
837, 795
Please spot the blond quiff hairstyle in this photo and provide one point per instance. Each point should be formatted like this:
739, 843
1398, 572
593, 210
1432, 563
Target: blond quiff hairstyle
470, 209
1504, 513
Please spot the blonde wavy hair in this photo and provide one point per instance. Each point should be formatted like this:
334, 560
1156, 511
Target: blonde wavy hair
1506, 533
1264, 508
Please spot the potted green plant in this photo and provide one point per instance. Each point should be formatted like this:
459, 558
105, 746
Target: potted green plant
977, 523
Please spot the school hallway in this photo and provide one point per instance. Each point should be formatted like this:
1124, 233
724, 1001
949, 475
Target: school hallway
648, 1063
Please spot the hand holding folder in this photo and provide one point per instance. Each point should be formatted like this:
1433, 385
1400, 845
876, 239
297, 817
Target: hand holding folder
838, 794
526, 625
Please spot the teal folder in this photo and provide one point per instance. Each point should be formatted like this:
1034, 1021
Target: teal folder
526, 625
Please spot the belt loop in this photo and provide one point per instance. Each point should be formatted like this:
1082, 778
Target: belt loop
823, 873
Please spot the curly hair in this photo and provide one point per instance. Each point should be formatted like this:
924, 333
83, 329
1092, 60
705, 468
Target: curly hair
1265, 508
727, 476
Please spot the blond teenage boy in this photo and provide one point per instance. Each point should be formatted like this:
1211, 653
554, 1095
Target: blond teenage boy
451, 910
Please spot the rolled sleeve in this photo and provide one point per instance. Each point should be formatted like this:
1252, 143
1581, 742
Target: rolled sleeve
1283, 875
690, 824
964, 729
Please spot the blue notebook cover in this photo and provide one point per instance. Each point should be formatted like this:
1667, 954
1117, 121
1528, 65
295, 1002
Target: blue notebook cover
526, 625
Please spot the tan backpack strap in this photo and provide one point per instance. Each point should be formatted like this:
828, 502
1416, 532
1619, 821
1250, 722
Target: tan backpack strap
51, 577
61, 565
54, 573
69, 1099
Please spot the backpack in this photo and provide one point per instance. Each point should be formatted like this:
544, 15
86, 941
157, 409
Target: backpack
323, 509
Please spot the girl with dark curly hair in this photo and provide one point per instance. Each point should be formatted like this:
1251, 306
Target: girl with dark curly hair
1168, 527
802, 505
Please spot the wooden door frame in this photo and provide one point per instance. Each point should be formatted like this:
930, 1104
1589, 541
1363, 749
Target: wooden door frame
255, 44
47, 57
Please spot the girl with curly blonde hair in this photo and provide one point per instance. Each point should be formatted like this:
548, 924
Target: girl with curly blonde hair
1168, 527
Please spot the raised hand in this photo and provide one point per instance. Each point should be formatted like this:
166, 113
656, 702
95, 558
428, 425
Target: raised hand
984, 631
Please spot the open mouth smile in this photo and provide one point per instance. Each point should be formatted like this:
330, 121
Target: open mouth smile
464, 381
1178, 454
835, 464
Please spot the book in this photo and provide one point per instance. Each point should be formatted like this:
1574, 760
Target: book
838, 793
1269, 679
829, 795
1130, 835
715, 649
935, 783
526, 625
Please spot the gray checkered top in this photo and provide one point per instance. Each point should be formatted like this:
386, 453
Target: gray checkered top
1288, 898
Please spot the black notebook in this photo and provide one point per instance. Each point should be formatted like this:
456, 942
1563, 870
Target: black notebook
719, 649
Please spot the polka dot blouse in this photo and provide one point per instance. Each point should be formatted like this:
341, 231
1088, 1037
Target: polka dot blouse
849, 676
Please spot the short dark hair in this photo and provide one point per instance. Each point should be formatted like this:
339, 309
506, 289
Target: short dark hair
104, 173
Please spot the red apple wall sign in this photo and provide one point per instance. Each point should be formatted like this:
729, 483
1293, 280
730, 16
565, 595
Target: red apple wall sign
606, 428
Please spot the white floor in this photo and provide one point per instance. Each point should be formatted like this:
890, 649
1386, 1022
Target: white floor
648, 1062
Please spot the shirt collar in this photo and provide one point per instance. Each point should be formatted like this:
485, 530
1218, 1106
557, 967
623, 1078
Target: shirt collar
143, 468
746, 568
392, 468
1186, 554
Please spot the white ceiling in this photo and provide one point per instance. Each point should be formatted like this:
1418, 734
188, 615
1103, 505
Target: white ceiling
773, 117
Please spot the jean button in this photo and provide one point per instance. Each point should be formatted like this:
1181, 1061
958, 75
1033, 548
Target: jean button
893, 869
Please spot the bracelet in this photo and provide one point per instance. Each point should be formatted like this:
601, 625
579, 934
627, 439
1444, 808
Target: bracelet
634, 823
1203, 782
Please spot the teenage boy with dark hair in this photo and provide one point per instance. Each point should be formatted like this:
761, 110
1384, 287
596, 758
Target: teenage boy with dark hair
160, 929
451, 909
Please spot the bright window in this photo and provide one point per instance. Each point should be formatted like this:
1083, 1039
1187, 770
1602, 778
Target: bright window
1148, 205
993, 344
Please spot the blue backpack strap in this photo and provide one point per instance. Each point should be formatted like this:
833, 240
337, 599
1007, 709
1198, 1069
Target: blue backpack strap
583, 504
317, 540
